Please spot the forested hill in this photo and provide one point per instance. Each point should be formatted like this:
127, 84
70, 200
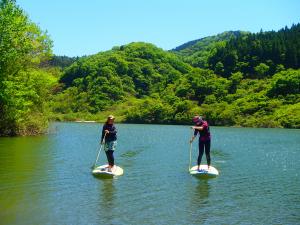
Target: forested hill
256, 55
197, 52
59, 61
135, 70
144, 84
259, 54
191, 47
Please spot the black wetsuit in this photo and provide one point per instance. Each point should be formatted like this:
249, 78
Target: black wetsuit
204, 143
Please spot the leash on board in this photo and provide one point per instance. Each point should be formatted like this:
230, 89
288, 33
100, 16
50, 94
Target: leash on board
101, 144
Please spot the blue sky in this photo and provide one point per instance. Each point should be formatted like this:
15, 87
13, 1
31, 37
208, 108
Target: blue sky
86, 27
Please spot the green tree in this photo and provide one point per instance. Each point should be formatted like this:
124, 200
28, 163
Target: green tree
219, 69
262, 70
22, 46
285, 83
235, 79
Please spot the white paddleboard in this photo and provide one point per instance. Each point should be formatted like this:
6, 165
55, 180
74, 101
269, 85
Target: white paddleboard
102, 171
204, 172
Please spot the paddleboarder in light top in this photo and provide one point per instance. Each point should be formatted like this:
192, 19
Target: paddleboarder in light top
109, 139
202, 127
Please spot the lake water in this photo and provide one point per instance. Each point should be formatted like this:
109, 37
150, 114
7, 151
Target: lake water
47, 179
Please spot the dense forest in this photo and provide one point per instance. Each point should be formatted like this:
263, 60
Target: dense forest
24, 88
256, 55
233, 79
155, 86
197, 52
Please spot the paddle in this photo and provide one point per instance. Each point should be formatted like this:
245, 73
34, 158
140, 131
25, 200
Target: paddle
191, 146
190, 156
101, 144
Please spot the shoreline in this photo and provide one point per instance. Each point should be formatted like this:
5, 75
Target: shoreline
167, 124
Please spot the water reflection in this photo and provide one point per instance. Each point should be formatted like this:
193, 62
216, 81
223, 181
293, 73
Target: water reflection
23, 177
107, 201
199, 202
201, 194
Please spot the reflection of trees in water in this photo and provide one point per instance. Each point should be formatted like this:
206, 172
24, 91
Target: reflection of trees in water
24, 175
199, 202
107, 200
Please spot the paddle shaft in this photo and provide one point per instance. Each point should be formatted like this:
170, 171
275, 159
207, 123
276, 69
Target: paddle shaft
191, 146
99, 150
190, 156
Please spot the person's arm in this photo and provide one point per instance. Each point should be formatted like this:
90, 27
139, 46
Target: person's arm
195, 134
113, 130
103, 133
198, 127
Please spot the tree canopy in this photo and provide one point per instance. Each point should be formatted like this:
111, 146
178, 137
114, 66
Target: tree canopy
22, 47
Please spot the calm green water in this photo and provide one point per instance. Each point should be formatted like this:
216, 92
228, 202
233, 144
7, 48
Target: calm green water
47, 180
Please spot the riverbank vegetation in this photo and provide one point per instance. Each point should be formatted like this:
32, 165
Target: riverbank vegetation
234, 79
24, 88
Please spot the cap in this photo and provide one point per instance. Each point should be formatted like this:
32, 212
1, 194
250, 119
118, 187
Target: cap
197, 119
111, 117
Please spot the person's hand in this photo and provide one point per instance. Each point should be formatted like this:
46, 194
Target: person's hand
103, 142
191, 140
106, 131
192, 127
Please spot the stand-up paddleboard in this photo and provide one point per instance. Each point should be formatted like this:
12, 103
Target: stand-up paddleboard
102, 171
203, 172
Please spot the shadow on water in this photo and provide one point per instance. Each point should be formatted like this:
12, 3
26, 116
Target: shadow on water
129, 156
131, 153
220, 154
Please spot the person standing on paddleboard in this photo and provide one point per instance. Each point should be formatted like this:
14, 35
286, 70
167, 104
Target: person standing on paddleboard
202, 127
109, 139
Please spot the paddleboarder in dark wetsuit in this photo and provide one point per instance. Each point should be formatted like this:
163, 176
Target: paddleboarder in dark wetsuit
202, 127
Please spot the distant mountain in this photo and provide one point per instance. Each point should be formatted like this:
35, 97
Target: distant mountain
62, 61
201, 44
197, 52
256, 55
